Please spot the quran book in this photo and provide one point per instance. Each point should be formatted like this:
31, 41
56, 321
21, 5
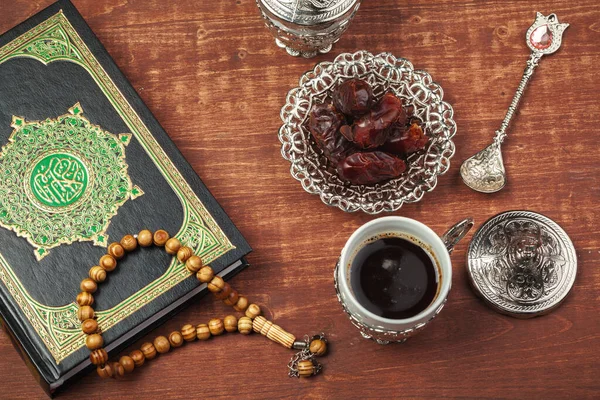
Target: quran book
83, 162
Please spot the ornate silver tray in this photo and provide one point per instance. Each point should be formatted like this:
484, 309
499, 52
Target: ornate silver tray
422, 99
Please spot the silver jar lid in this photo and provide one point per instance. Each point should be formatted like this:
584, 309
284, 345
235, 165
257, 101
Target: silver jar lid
308, 12
521, 263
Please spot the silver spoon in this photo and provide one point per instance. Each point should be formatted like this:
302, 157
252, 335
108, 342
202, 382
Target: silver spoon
484, 172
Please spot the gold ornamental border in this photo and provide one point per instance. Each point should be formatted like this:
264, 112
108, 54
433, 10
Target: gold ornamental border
58, 327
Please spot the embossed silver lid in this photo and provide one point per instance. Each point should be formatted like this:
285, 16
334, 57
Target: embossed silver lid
308, 12
521, 263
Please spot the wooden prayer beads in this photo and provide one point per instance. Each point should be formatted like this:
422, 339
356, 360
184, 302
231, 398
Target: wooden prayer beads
189, 333
85, 312
172, 246
116, 250
162, 344
245, 326
216, 284
251, 321
89, 326
305, 368
224, 292
184, 253
193, 264
129, 243
94, 341
138, 357
176, 339
203, 332
88, 285
241, 304
127, 363
105, 371
252, 311
145, 238
118, 370
98, 357
215, 326
85, 299
149, 350
160, 238
98, 274
205, 274
230, 323
108, 262
318, 347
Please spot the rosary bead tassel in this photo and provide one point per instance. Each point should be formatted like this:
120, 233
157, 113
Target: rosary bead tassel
273, 332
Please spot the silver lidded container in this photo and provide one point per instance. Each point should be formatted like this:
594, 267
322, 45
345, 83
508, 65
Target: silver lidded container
307, 27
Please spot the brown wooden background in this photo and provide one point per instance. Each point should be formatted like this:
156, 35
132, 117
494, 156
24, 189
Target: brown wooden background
215, 80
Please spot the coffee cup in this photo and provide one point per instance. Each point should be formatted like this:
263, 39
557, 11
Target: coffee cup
373, 325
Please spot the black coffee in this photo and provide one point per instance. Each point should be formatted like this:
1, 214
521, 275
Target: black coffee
393, 278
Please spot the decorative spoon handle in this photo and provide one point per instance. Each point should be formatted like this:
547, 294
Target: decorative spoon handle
532, 63
484, 171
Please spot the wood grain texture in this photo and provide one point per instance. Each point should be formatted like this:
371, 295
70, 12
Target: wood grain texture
213, 77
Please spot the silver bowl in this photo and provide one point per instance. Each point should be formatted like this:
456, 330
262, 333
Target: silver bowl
422, 99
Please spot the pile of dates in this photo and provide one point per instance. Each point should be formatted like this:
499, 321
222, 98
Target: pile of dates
368, 141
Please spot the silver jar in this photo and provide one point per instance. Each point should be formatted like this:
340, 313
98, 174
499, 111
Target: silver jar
307, 27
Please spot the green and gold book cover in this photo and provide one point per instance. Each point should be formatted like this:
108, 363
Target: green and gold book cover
82, 163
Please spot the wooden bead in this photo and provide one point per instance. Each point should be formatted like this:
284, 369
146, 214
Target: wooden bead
230, 323
89, 326
127, 363
252, 311
175, 339
98, 274
202, 332
129, 243
108, 262
149, 350
188, 332
215, 326
105, 371
232, 298
138, 357
85, 299
245, 325
172, 246
205, 275
85, 312
193, 264
274, 332
160, 237
99, 357
145, 238
162, 344
318, 347
216, 284
116, 250
88, 285
241, 304
118, 370
224, 293
184, 253
94, 341
305, 368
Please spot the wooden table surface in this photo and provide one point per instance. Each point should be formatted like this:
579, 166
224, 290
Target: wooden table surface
215, 80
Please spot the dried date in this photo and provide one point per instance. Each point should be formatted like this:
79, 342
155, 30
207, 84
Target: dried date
324, 123
353, 97
403, 141
370, 130
370, 167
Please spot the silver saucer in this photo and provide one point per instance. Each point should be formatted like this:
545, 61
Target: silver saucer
521, 263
